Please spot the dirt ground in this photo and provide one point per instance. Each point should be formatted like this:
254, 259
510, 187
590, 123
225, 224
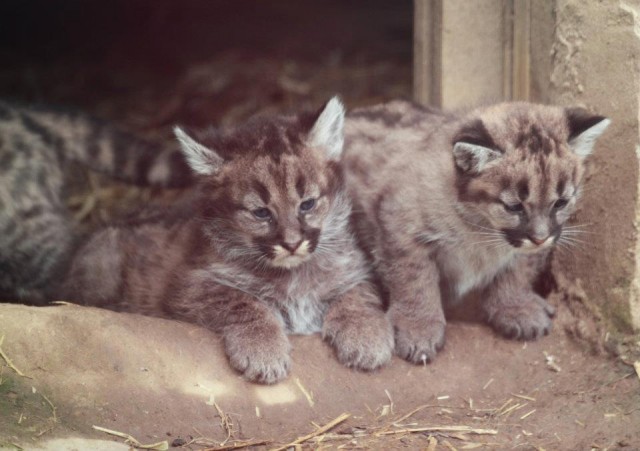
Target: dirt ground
160, 380
148, 65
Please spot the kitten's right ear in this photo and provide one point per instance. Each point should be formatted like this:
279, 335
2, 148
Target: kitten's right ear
584, 129
327, 132
201, 159
473, 148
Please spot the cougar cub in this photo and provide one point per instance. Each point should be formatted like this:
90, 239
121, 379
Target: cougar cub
446, 204
264, 250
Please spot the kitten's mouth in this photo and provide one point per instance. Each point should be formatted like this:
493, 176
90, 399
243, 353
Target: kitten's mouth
283, 258
530, 245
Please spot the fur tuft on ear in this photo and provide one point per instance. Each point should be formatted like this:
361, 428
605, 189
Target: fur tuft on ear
472, 158
327, 131
584, 129
201, 159
474, 148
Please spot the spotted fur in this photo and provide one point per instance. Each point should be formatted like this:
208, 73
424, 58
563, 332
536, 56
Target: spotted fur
36, 145
452, 204
262, 251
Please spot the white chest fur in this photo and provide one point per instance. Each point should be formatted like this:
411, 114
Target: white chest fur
465, 267
303, 301
301, 297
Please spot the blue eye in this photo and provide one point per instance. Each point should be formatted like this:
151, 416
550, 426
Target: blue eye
261, 213
307, 205
560, 204
514, 208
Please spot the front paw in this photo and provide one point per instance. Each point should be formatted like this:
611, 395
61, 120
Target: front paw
526, 317
261, 354
364, 342
418, 339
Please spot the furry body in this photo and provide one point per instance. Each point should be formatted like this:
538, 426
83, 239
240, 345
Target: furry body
36, 232
264, 249
447, 204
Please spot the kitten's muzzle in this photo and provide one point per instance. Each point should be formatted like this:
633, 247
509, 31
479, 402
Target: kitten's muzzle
534, 243
291, 256
537, 240
291, 247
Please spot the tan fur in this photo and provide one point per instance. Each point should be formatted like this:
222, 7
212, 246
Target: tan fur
432, 193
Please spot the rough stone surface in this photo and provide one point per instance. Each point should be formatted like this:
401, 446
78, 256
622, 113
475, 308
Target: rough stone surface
594, 63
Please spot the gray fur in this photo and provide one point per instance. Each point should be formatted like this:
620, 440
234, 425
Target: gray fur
36, 144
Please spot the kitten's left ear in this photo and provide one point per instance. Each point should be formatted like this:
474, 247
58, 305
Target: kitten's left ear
584, 129
327, 131
474, 148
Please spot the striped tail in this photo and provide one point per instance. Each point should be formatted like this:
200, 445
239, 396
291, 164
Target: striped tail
104, 148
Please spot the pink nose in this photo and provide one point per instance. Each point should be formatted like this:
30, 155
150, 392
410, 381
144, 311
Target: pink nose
291, 247
538, 241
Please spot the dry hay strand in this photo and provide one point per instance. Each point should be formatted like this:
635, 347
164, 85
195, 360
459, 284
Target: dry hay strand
371, 435
9, 362
528, 398
445, 429
321, 430
238, 445
307, 394
131, 441
54, 410
213, 445
225, 422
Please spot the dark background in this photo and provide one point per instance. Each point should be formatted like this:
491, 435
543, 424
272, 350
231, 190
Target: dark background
149, 63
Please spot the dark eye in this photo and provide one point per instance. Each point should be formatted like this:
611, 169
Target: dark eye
307, 205
261, 213
514, 208
560, 204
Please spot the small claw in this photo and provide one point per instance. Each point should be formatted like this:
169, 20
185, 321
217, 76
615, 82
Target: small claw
512, 333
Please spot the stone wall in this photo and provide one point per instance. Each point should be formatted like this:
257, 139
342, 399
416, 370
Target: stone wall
580, 54
593, 62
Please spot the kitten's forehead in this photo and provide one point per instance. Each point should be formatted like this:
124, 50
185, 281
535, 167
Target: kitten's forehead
537, 165
526, 127
286, 178
261, 136
539, 180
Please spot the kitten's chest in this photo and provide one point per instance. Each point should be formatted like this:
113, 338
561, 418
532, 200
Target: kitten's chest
303, 298
301, 310
464, 268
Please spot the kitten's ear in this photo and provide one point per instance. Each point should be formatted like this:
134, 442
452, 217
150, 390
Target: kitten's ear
584, 129
473, 148
201, 159
327, 131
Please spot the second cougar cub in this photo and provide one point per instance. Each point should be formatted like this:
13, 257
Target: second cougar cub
446, 204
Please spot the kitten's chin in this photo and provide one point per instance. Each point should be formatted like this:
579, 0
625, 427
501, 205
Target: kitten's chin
284, 259
528, 247
290, 261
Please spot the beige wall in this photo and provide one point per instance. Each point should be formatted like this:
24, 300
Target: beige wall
594, 63
579, 53
472, 52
